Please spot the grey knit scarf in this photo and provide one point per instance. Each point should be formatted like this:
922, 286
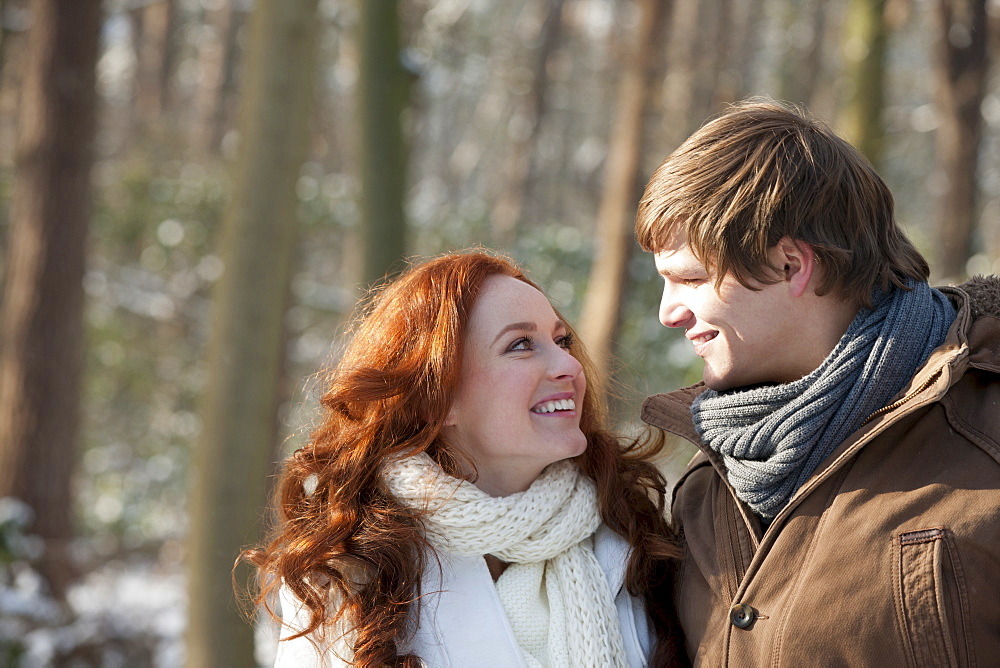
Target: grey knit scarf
772, 438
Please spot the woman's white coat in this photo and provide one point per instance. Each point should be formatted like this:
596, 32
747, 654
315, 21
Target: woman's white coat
461, 621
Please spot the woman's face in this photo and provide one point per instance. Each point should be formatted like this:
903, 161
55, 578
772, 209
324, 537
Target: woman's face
520, 391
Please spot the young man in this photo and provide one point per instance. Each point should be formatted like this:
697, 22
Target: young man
845, 506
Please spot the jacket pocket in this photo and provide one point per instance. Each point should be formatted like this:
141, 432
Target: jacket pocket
931, 599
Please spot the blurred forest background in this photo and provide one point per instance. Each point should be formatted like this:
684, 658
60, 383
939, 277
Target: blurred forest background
195, 193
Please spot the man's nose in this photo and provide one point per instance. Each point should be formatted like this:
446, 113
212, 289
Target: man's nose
672, 312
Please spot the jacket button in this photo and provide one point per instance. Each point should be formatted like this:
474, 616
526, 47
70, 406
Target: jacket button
741, 615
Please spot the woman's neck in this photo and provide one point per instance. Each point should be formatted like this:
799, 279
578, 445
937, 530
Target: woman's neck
496, 566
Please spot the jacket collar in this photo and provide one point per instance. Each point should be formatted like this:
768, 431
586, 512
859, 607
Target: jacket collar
982, 335
671, 411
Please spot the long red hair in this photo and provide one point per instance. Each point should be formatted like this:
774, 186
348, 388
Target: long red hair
349, 550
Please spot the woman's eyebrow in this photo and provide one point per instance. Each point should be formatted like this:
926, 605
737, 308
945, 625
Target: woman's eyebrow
518, 326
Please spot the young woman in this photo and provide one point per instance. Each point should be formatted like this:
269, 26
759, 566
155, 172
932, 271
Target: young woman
463, 503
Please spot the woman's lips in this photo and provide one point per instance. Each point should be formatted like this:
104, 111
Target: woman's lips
561, 402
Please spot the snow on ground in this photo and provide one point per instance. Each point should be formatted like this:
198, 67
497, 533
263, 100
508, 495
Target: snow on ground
120, 615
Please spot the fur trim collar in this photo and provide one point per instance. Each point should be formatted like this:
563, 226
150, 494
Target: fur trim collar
984, 295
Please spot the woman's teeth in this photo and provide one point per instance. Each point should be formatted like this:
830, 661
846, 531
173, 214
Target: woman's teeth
552, 406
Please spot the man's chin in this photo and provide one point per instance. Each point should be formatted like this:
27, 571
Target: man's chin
724, 385
717, 382
730, 383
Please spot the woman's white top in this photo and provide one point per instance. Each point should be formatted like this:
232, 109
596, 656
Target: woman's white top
461, 621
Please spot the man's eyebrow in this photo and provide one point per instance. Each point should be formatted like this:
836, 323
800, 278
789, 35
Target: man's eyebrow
517, 326
682, 269
675, 272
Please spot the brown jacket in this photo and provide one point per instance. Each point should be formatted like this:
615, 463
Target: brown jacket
889, 555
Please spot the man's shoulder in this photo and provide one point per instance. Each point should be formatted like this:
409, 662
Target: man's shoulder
695, 484
972, 404
671, 411
973, 401
983, 293
983, 334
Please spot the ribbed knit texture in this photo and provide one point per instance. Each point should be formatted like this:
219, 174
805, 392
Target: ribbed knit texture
554, 591
772, 438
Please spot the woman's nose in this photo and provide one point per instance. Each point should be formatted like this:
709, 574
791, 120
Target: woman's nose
565, 365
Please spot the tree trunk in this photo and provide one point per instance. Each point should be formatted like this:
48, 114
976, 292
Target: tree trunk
725, 37
10, 13
735, 34
41, 321
601, 314
154, 54
684, 48
960, 72
247, 350
382, 95
227, 97
14, 21
801, 70
864, 46
516, 179
218, 55
705, 57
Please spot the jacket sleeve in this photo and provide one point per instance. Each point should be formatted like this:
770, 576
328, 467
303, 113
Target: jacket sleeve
327, 647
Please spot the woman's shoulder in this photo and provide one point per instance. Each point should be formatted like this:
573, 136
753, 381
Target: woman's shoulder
612, 552
326, 647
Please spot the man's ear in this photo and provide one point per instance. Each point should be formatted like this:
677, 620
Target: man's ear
795, 261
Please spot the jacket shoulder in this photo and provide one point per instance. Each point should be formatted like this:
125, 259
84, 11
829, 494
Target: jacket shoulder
689, 482
671, 411
984, 295
972, 403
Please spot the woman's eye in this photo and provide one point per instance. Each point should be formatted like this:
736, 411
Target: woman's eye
565, 341
523, 343
692, 281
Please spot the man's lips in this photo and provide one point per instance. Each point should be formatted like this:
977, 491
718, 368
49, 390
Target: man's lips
700, 339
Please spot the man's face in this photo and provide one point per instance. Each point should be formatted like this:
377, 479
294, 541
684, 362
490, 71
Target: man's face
746, 337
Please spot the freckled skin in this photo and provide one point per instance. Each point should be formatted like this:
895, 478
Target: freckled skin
507, 371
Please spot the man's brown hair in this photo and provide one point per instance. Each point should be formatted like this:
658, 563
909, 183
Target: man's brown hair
762, 171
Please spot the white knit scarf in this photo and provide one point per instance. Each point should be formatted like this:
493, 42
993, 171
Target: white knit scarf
554, 592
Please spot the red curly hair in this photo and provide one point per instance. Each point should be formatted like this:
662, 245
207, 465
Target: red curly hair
343, 537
